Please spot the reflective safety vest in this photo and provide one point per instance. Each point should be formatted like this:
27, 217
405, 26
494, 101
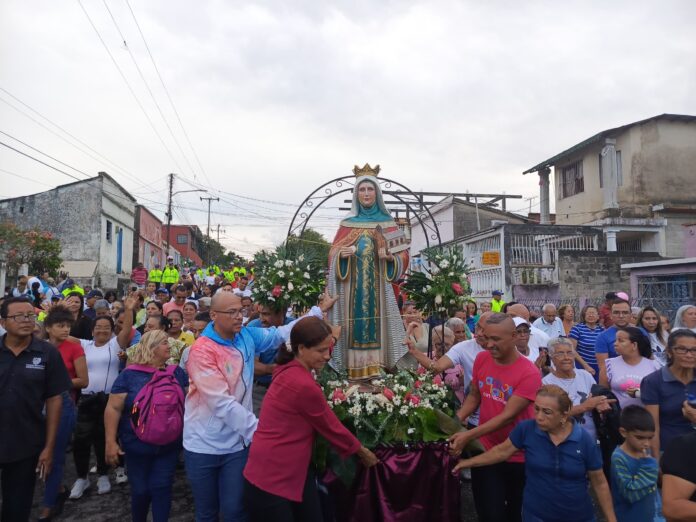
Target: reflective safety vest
154, 275
73, 288
170, 275
229, 275
497, 306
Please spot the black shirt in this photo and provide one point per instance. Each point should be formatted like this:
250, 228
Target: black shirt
82, 329
679, 459
26, 381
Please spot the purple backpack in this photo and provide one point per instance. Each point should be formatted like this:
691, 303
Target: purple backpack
157, 416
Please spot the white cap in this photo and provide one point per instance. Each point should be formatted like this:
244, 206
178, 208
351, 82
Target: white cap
520, 320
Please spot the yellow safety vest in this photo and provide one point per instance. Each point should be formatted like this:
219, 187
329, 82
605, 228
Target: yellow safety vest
170, 275
154, 275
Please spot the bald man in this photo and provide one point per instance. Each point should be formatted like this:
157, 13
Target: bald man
504, 385
218, 420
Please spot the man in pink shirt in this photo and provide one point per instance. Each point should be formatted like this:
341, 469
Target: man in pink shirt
178, 302
504, 385
139, 275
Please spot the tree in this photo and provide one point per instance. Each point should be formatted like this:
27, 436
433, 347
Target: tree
310, 243
37, 248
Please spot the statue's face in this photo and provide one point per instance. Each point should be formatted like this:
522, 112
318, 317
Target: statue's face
367, 194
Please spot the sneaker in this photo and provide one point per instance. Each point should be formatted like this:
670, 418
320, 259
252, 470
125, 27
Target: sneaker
79, 488
93, 469
103, 485
121, 477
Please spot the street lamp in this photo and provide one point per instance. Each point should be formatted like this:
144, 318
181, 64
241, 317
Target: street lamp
169, 215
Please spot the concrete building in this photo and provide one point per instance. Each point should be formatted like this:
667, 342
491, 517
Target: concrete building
631, 181
187, 239
456, 218
94, 221
148, 247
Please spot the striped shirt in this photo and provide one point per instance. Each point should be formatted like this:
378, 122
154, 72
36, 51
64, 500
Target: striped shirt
586, 337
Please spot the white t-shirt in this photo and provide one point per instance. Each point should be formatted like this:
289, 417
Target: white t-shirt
242, 293
623, 376
464, 354
210, 280
102, 365
578, 389
537, 339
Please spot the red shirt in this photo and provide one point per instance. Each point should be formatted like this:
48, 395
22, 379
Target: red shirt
70, 352
293, 412
497, 383
139, 276
171, 305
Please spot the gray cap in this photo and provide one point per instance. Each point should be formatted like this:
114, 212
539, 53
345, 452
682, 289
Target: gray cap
101, 304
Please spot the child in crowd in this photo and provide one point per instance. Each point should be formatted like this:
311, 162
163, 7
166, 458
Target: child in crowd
633, 470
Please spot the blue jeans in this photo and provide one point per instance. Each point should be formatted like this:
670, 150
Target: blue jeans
217, 485
68, 416
151, 477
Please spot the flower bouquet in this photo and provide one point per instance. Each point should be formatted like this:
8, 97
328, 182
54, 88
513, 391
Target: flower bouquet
445, 289
281, 282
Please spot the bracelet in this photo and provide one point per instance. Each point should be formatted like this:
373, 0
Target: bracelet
431, 366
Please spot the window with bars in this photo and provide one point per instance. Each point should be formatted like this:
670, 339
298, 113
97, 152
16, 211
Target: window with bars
571, 180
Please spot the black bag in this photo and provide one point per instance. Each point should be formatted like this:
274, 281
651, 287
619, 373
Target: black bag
607, 425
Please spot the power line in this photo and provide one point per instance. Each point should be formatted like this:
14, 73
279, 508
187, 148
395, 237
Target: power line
171, 102
39, 161
44, 154
130, 88
147, 86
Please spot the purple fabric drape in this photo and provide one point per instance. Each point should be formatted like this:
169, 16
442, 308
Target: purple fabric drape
410, 484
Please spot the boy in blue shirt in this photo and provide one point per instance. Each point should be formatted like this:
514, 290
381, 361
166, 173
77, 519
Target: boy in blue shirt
633, 470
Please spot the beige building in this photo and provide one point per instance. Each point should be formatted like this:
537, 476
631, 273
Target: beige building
635, 182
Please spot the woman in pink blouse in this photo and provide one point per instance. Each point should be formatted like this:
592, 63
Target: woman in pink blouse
280, 484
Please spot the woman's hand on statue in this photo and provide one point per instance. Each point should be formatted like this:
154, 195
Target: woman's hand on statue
383, 254
346, 251
412, 328
327, 301
411, 345
458, 442
367, 458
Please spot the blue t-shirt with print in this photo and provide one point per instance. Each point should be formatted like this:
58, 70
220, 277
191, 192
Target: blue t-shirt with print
268, 357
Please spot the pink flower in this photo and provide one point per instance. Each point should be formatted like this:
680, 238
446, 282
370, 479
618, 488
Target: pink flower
421, 371
276, 291
417, 384
457, 288
338, 395
388, 394
437, 380
407, 397
414, 399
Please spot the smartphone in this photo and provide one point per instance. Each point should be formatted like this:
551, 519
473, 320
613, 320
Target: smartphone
691, 399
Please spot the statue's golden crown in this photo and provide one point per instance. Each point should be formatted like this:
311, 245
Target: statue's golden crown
366, 171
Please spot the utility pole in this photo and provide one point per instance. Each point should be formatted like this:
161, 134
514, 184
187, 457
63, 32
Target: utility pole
209, 200
218, 232
169, 214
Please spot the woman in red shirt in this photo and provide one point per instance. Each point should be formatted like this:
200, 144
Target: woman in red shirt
58, 323
280, 484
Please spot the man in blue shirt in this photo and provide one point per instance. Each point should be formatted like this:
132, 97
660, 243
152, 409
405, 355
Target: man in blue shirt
549, 322
604, 346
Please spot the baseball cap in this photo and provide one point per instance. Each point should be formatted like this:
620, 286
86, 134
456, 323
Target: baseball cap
497, 292
94, 293
162, 290
622, 295
101, 304
520, 320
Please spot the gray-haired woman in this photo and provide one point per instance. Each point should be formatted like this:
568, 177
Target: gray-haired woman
577, 384
459, 328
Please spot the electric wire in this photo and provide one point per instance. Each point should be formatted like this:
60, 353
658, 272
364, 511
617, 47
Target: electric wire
44, 154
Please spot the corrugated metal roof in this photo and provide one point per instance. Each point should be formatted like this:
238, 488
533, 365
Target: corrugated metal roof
604, 134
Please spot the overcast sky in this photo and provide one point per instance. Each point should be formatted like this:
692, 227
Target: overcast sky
278, 97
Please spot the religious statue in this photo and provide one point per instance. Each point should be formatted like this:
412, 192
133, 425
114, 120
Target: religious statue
368, 255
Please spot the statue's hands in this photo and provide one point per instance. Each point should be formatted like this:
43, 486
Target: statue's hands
383, 254
346, 251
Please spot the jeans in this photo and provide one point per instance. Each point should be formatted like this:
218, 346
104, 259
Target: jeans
151, 477
18, 479
217, 485
68, 417
498, 491
264, 506
89, 432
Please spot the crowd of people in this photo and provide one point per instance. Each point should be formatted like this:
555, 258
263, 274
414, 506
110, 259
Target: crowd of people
186, 367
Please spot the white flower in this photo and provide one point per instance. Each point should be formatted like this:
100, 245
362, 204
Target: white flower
306, 275
389, 408
452, 301
444, 263
403, 410
381, 399
278, 264
301, 258
291, 287
288, 262
429, 288
397, 400
451, 274
438, 299
281, 273
410, 431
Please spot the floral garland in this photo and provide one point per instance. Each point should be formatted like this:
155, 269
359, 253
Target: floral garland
280, 282
396, 408
445, 289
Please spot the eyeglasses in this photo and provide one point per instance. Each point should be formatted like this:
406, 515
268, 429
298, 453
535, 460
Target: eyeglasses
236, 312
683, 351
22, 318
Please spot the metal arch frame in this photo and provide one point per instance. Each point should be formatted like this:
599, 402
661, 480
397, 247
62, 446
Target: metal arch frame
307, 208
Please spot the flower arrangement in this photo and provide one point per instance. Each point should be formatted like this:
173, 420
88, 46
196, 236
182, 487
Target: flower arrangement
281, 282
396, 408
445, 289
